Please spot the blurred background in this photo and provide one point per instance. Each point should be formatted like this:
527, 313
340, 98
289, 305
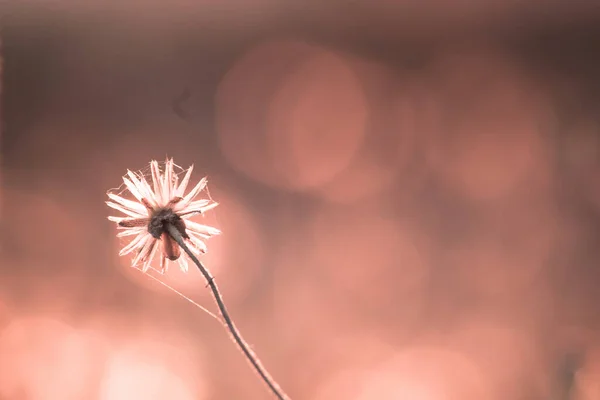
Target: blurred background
409, 193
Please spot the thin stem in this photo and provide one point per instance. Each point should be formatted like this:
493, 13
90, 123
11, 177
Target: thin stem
237, 337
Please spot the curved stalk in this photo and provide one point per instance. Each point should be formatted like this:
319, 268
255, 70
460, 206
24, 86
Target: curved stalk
237, 337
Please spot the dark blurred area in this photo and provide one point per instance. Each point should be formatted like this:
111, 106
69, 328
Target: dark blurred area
409, 195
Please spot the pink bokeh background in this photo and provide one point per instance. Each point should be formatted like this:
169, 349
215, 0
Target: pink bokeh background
392, 228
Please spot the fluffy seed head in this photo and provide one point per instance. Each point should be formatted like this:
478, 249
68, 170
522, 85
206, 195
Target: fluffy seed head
156, 205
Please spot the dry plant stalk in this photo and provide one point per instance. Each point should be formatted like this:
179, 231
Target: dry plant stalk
159, 222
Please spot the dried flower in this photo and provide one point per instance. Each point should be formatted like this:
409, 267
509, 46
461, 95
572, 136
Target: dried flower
161, 216
156, 207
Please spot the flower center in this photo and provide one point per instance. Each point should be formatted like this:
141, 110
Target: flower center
161, 218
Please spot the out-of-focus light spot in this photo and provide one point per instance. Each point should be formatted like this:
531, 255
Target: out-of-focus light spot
348, 351
395, 120
587, 378
50, 232
151, 369
243, 96
315, 326
580, 148
569, 338
47, 360
510, 253
6, 311
316, 121
512, 358
360, 252
417, 374
491, 140
316, 320
44, 243
303, 311
486, 266
235, 258
315, 117
46, 220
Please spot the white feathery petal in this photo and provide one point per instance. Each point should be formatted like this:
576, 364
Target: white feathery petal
149, 191
198, 204
197, 235
136, 242
193, 193
184, 182
175, 183
132, 189
161, 184
144, 247
200, 229
174, 178
168, 179
183, 264
148, 260
131, 205
131, 231
116, 219
125, 210
199, 244
143, 188
164, 264
189, 211
186, 216
134, 180
155, 171
193, 247
163, 189
194, 206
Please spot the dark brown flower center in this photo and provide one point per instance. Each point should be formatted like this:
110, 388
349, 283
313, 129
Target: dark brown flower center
161, 218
